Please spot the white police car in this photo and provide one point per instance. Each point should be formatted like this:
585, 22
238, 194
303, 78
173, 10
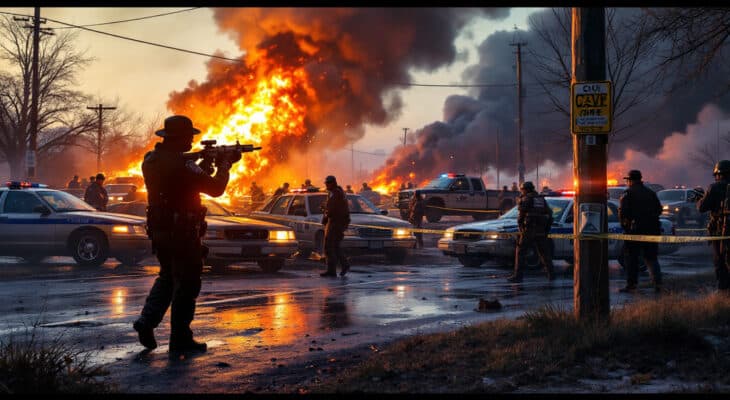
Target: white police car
36, 222
476, 242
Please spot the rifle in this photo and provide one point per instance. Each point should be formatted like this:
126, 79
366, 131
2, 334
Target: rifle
212, 154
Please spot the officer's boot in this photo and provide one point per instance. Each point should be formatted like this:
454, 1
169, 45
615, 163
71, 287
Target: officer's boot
145, 334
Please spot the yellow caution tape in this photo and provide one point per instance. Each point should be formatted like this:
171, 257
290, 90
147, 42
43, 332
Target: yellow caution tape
470, 210
570, 236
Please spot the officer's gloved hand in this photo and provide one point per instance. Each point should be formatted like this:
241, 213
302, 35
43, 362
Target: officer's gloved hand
224, 165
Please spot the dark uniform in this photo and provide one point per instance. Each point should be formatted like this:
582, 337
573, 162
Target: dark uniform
534, 221
416, 211
639, 213
96, 195
713, 201
335, 220
176, 223
74, 183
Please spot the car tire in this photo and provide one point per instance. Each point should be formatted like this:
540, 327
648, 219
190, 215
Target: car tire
319, 243
304, 253
470, 261
272, 265
34, 259
89, 248
131, 260
396, 256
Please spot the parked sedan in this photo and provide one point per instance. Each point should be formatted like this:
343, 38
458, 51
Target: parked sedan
36, 222
476, 242
232, 238
370, 231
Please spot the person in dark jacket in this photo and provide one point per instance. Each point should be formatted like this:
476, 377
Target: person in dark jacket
176, 224
282, 190
533, 220
336, 218
714, 202
416, 210
95, 193
74, 183
639, 213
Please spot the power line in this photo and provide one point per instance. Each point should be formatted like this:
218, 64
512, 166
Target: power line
132, 19
132, 39
456, 85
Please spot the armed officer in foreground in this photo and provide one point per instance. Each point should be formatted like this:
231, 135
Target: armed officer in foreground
534, 220
715, 201
176, 223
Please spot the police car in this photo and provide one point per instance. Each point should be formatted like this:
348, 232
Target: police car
231, 238
476, 242
370, 231
36, 222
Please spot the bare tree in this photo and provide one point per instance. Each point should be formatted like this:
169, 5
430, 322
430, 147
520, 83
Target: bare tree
698, 40
627, 50
61, 109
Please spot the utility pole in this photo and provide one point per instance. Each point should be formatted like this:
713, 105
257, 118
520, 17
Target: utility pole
352, 163
30, 155
590, 276
497, 151
99, 109
405, 133
520, 150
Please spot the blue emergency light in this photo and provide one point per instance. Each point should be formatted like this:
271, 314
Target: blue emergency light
23, 185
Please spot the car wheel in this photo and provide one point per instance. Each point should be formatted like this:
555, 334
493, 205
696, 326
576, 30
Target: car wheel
89, 248
131, 260
396, 256
319, 243
470, 261
272, 265
34, 259
305, 253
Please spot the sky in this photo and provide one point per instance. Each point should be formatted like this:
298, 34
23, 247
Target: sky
141, 77
442, 122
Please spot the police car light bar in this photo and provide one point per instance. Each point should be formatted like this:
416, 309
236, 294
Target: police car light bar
23, 185
451, 175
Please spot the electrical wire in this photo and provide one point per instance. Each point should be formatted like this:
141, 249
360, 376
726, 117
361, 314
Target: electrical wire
131, 19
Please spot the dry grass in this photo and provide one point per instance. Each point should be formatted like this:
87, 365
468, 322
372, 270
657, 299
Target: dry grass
29, 365
672, 335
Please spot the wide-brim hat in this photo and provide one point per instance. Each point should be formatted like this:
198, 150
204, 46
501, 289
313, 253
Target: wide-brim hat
177, 125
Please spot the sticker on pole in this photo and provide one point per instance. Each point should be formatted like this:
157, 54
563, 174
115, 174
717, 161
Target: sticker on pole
590, 218
591, 108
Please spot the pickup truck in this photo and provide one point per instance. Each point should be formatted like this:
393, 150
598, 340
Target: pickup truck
457, 194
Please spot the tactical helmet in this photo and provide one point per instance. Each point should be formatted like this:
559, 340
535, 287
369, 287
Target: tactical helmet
722, 167
528, 186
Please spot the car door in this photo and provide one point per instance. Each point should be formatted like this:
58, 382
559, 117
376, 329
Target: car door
278, 211
25, 228
297, 214
477, 195
460, 193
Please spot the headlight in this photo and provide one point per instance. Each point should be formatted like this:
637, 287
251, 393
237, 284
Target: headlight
401, 233
128, 230
121, 229
281, 235
139, 229
449, 233
212, 234
493, 236
351, 232
665, 207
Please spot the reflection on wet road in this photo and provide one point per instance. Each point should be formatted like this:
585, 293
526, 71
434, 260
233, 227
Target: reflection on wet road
253, 320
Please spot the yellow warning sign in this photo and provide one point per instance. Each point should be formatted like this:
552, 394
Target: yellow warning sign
591, 108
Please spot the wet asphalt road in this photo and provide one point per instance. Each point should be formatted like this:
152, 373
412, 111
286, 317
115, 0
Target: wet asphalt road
255, 322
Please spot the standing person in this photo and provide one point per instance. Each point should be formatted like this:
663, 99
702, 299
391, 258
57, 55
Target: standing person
95, 194
416, 210
504, 201
714, 202
514, 187
257, 196
534, 221
336, 218
74, 183
348, 189
283, 189
92, 179
84, 183
639, 213
176, 223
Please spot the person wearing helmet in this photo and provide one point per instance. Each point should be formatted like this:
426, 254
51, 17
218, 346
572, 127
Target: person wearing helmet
336, 218
95, 193
639, 212
712, 201
534, 220
176, 224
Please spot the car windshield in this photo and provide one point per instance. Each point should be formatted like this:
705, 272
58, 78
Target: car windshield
215, 209
615, 192
556, 205
441, 182
671, 195
119, 188
355, 203
64, 202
